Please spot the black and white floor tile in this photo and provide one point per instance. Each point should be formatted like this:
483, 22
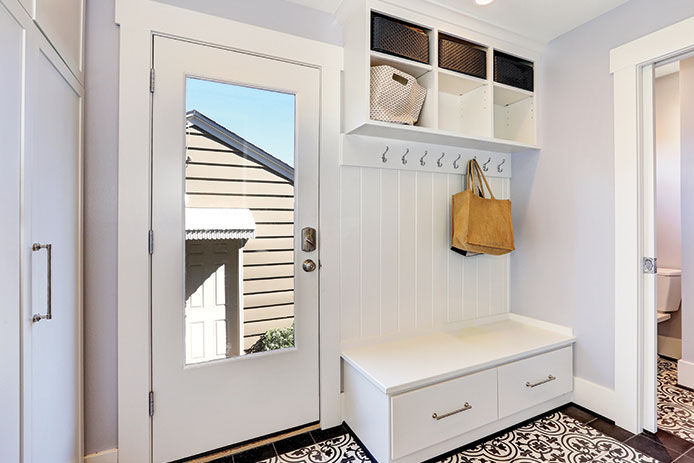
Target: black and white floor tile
335, 450
554, 438
675, 404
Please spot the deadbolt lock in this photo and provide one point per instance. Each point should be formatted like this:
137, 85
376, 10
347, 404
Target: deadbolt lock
308, 239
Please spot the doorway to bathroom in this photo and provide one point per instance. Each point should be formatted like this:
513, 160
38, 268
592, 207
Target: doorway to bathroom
672, 91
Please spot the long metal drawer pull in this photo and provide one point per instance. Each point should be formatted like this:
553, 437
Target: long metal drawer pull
437, 417
48, 315
540, 383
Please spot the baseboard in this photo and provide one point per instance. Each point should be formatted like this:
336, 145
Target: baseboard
594, 397
670, 347
685, 373
106, 456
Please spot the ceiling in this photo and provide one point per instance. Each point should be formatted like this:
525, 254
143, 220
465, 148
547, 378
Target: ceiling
329, 6
539, 20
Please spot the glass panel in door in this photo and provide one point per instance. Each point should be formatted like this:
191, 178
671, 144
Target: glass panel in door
239, 220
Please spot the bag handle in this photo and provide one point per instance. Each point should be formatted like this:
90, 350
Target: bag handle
475, 170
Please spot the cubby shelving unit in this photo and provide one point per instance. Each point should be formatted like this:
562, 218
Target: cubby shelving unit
459, 110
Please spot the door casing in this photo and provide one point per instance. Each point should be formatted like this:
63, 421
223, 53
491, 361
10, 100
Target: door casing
635, 375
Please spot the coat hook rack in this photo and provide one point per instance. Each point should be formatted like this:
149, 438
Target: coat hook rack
438, 161
421, 160
455, 163
486, 164
404, 156
499, 168
383, 156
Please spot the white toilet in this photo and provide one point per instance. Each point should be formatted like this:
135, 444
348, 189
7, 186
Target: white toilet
669, 292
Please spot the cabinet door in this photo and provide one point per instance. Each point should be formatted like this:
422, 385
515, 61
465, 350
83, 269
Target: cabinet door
52, 370
62, 22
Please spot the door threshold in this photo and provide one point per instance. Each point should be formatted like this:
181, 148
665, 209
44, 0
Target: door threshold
251, 444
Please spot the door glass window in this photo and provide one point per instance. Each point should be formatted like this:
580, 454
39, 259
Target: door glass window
239, 220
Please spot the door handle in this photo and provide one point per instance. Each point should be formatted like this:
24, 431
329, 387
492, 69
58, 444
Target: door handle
308, 265
48, 315
308, 239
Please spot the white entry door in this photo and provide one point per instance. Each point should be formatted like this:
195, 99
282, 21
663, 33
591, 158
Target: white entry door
234, 263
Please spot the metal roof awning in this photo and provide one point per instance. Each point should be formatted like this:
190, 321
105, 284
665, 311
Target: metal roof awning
219, 224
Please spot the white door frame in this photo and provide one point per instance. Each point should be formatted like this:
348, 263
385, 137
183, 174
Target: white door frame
139, 20
633, 105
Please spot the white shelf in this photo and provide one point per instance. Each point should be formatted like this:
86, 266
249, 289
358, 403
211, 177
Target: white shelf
459, 110
505, 95
438, 137
457, 83
404, 364
413, 68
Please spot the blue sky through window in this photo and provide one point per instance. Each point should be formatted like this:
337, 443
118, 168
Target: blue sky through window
264, 118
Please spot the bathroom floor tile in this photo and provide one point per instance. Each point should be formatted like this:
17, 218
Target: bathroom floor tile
675, 403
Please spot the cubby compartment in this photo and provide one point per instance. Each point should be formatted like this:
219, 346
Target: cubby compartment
464, 104
514, 114
425, 77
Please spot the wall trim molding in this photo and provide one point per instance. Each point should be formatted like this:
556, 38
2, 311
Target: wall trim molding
685, 373
594, 397
105, 456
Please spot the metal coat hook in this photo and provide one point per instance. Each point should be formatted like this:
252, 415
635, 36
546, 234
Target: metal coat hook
499, 168
421, 160
383, 156
484, 166
404, 156
455, 163
438, 161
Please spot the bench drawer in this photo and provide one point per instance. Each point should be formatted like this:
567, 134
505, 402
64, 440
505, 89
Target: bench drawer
532, 381
459, 405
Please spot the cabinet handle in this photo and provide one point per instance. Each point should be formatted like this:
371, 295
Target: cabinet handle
48, 315
437, 417
540, 383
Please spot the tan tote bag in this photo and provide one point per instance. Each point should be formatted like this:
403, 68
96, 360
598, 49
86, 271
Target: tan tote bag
481, 224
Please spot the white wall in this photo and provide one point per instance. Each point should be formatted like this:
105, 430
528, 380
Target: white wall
277, 15
668, 223
667, 135
101, 150
687, 153
563, 269
100, 213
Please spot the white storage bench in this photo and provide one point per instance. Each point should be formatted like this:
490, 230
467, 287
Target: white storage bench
412, 399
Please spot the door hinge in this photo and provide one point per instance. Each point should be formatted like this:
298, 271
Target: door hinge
151, 80
151, 403
151, 242
650, 265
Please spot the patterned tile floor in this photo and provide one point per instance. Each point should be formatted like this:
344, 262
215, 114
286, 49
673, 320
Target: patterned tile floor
675, 404
571, 435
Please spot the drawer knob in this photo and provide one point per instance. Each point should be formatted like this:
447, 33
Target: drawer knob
539, 383
465, 407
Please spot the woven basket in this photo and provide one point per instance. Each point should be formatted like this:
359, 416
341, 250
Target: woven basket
395, 96
398, 38
461, 56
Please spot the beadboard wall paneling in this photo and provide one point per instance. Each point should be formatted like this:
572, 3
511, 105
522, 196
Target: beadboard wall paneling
398, 273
